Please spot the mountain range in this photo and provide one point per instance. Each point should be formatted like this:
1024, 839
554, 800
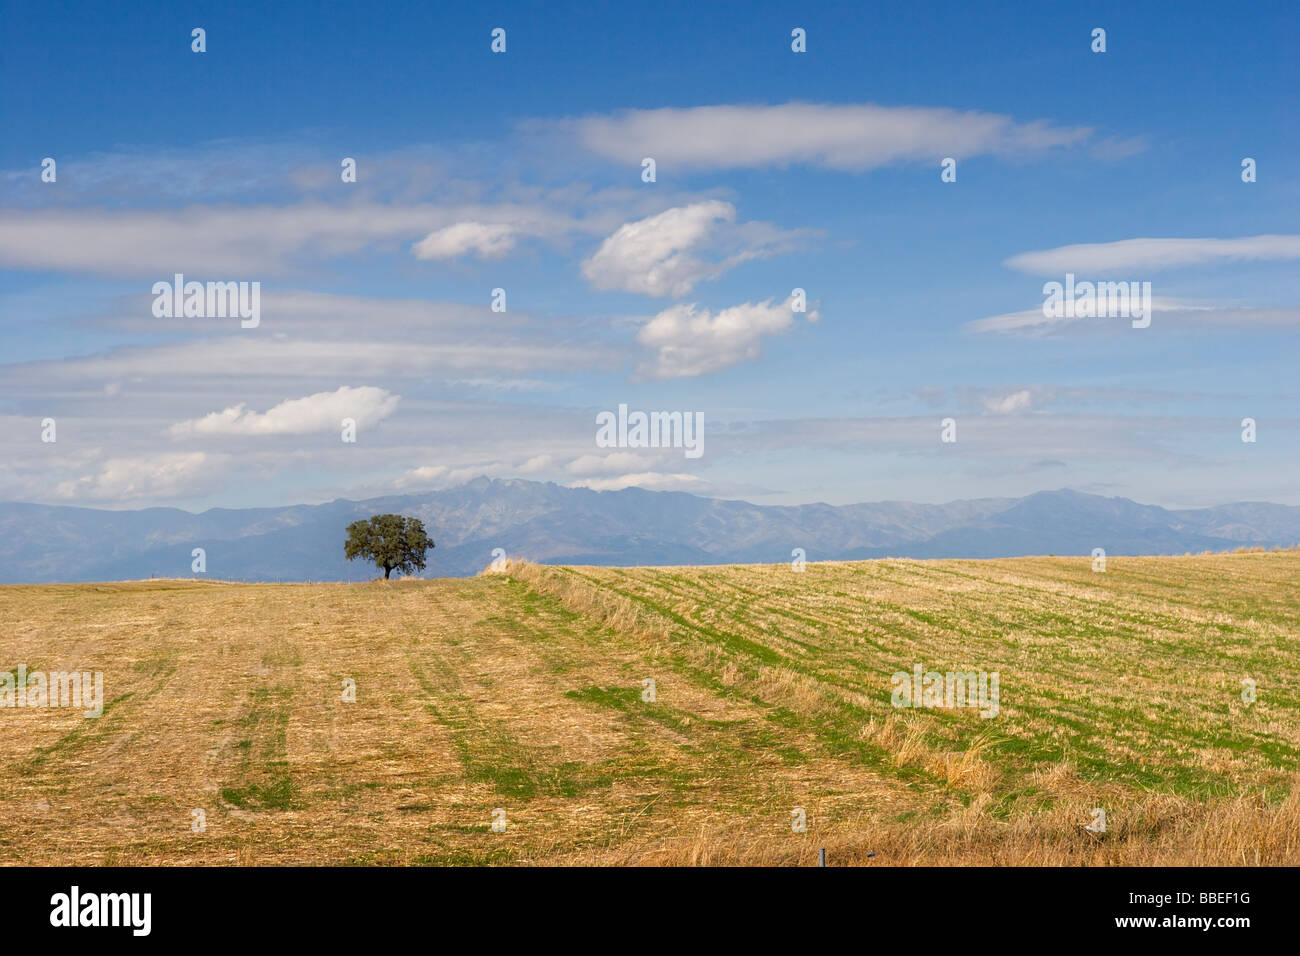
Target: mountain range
555, 524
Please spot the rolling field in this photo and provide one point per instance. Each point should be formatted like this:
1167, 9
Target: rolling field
523, 692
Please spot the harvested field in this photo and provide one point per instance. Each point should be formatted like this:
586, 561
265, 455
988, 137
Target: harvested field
524, 692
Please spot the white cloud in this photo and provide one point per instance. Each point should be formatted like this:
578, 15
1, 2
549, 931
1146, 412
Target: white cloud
445, 476
650, 480
536, 464
488, 240
151, 476
1104, 259
611, 464
442, 476
653, 256
1013, 402
323, 411
424, 476
692, 341
840, 136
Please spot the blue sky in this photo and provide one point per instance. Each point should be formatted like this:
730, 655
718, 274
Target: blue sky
522, 170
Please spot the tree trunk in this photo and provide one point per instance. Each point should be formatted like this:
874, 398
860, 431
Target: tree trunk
387, 572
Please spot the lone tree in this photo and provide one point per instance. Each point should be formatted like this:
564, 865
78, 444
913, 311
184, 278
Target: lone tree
393, 542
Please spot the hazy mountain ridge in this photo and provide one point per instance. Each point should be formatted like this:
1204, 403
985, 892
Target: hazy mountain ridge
554, 524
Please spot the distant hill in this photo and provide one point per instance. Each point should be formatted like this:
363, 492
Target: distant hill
553, 524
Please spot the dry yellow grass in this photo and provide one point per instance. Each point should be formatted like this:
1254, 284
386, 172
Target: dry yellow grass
523, 692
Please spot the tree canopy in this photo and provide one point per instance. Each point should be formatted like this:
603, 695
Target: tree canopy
393, 542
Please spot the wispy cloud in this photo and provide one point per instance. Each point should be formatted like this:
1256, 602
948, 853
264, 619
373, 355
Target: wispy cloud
851, 137
1177, 312
250, 241
1106, 259
187, 366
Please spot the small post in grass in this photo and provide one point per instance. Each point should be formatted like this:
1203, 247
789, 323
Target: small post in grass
821, 857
